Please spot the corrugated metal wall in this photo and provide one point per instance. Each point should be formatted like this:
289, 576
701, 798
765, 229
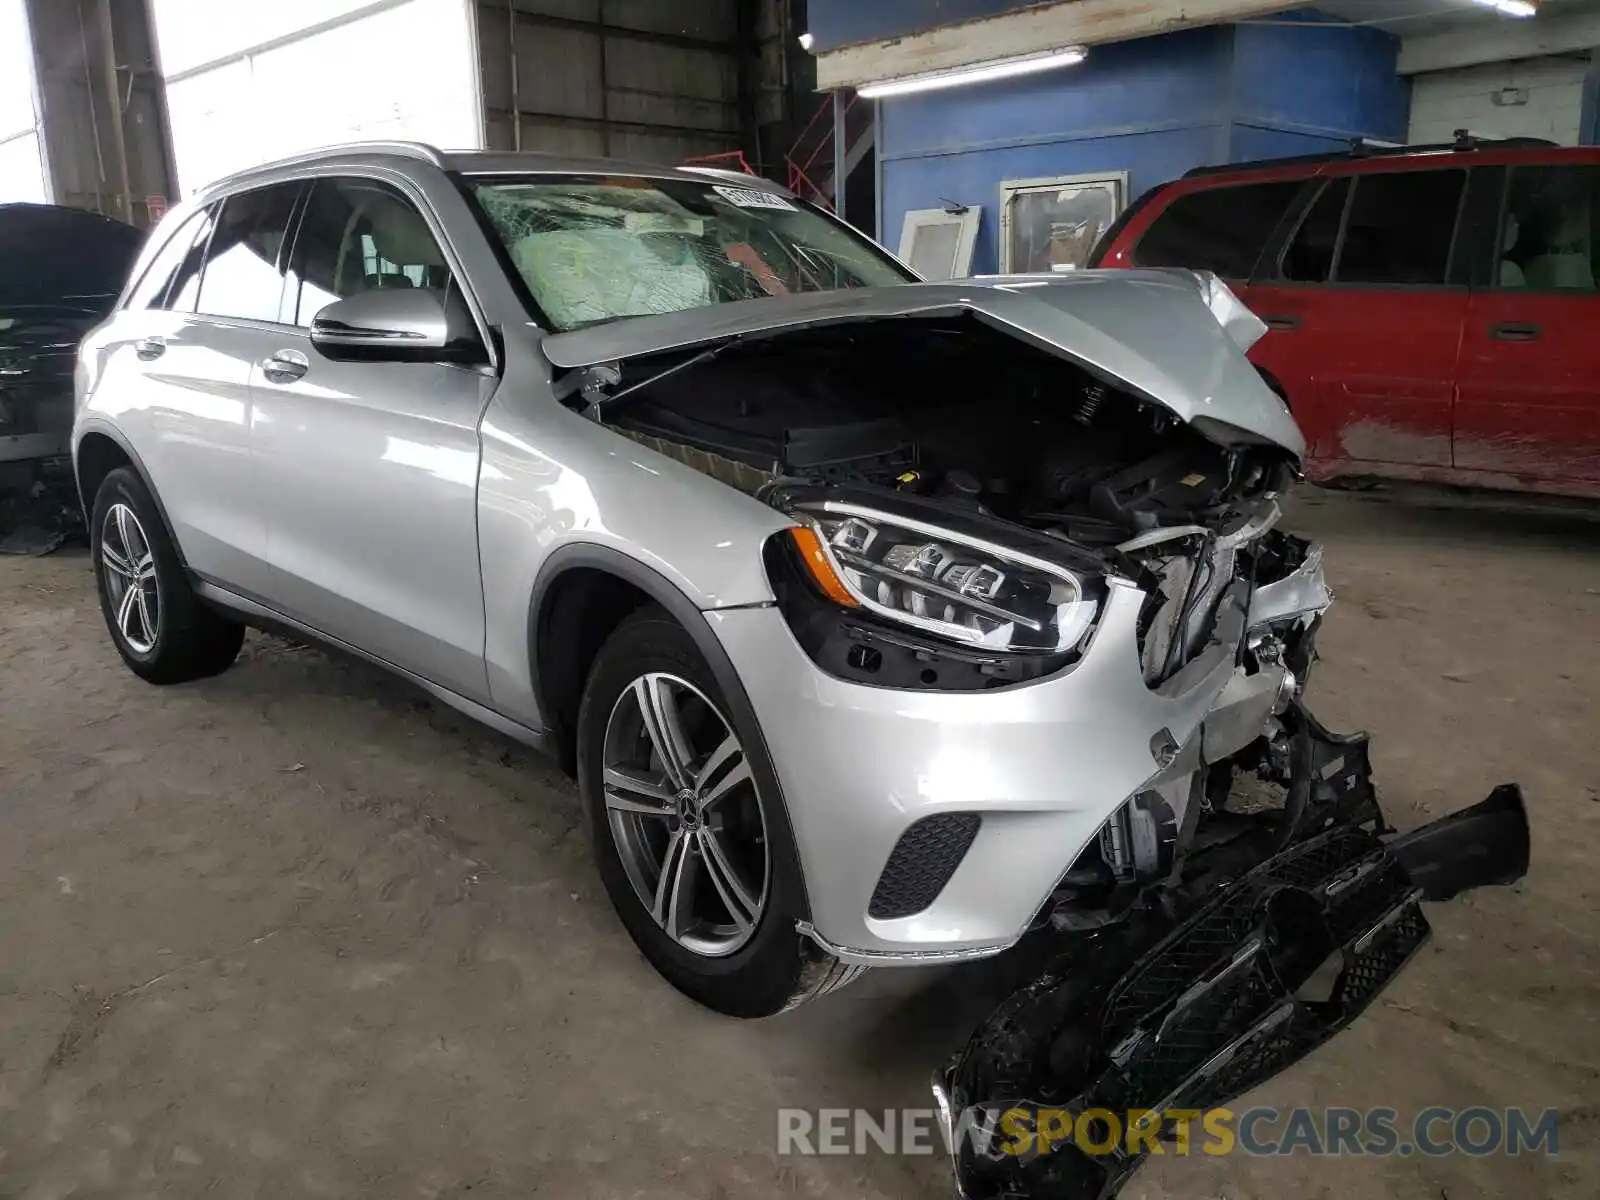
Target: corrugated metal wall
104, 128
660, 80
81, 121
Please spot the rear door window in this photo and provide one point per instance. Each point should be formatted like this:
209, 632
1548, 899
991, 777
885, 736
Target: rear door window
244, 267
1399, 228
1550, 233
184, 289
187, 246
1220, 229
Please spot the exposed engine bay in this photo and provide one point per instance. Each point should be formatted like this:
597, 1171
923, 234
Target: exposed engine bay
949, 410
956, 424
975, 497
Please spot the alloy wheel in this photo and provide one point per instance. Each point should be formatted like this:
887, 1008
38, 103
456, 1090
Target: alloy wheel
685, 816
130, 574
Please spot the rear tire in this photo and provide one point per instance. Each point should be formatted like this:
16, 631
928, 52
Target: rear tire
697, 860
157, 624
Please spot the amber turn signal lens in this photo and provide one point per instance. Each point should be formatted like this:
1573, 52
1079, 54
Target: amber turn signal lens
820, 568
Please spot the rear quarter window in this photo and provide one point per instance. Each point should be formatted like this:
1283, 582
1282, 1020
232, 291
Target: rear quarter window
154, 286
1220, 229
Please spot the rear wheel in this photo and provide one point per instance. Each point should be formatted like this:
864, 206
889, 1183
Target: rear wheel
698, 862
160, 628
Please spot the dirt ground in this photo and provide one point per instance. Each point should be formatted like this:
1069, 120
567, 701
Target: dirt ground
297, 932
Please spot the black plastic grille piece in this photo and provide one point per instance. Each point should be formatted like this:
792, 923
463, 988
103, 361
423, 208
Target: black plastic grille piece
921, 863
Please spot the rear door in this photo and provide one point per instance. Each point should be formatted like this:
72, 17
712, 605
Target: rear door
370, 469
177, 372
1365, 321
1528, 403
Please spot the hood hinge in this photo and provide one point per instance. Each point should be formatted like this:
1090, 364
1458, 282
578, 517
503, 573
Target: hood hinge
590, 383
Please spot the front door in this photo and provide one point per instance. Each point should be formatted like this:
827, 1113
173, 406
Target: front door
1363, 326
1528, 406
370, 469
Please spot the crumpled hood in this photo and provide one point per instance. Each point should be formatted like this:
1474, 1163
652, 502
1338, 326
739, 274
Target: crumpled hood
1174, 337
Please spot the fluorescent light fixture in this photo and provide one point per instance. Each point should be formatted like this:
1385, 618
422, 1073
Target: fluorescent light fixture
1004, 68
1512, 8
807, 41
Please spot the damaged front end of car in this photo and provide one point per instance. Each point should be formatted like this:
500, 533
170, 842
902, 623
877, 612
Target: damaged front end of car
977, 476
1215, 982
63, 270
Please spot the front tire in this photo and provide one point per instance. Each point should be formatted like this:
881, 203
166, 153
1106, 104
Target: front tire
157, 624
697, 860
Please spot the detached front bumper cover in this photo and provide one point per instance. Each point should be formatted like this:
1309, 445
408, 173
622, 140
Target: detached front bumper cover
1155, 1017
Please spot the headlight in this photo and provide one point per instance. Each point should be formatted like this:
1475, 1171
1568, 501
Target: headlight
943, 583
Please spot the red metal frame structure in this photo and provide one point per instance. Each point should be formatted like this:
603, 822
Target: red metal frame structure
807, 151
812, 154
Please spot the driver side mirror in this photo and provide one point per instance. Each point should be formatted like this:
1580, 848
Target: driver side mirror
398, 325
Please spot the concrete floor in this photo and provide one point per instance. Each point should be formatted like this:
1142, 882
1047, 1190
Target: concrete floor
296, 932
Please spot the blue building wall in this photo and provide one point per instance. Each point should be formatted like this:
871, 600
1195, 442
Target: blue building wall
1305, 86
1154, 107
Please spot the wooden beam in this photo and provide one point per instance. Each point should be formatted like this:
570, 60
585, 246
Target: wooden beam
1499, 41
1033, 30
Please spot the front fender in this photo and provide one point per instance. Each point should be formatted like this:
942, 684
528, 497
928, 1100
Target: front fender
553, 483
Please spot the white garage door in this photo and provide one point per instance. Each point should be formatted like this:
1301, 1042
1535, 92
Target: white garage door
21, 171
1537, 97
291, 75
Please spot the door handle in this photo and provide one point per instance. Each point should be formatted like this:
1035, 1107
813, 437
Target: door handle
285, 366
1282, 321
149, 349
1515, 331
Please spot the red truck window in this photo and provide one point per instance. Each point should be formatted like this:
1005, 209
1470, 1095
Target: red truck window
1309, 257
1220, 229
1399, 228
1550, 239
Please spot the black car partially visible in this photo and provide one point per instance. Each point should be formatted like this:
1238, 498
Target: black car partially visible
61, 270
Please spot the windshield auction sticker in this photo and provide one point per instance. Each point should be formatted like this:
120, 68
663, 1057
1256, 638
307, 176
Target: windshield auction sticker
741, 197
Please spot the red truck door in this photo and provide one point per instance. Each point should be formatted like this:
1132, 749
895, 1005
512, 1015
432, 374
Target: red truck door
1528, 401
1364, 327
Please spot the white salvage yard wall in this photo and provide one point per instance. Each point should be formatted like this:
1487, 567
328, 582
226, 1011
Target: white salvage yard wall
282, 76
1551, 90
22, 174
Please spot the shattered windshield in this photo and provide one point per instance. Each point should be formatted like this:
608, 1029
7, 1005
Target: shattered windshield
600, 248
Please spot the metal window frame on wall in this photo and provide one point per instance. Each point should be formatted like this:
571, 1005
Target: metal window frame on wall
1011, 189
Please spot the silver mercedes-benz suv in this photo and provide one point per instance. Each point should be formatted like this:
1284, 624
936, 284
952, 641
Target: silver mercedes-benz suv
880, 621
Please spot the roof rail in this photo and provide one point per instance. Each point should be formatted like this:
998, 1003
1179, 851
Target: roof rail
1364, 148
417, 150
